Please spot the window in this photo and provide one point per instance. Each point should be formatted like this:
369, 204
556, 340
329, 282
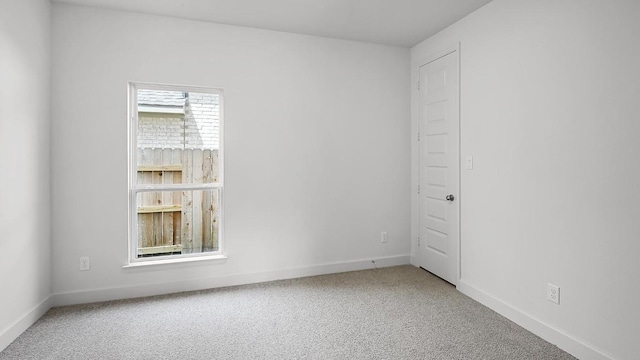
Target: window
175, 172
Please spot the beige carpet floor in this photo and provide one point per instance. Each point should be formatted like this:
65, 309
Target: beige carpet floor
391, 313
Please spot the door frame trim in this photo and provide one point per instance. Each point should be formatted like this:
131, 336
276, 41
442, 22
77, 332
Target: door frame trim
433, 56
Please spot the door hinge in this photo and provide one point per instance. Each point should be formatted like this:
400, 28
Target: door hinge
418, 136
418, 188
418, 241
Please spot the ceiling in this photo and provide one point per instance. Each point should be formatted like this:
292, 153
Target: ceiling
393, 22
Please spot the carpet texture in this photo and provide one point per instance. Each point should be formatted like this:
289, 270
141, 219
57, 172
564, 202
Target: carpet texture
391, 313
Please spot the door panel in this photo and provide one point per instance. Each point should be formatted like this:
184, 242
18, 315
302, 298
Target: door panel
439, 123
437, 177
437, 241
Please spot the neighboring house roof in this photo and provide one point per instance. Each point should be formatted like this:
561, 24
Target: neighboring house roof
161, 101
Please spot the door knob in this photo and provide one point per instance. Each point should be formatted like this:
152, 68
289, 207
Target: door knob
449, 197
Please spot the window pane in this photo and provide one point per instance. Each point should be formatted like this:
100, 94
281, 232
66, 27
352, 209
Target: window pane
177, 137
177, 222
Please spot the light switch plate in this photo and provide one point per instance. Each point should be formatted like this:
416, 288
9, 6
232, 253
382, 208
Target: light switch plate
469, 162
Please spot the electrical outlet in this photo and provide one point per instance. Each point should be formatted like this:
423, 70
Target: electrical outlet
553, 293
384, 237
84, 263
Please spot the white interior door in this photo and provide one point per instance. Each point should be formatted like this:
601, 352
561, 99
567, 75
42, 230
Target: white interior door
438, 209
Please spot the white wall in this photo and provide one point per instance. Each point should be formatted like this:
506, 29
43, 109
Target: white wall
25, 264
316, 140
550, 96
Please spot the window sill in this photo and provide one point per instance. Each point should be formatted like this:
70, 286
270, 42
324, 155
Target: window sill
192, 259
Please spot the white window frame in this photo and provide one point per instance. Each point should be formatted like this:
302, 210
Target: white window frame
135, 188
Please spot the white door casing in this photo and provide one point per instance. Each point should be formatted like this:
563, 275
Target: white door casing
439, 167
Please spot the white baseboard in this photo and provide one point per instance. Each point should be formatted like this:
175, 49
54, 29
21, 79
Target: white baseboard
571, 344
141, 290
13, 330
